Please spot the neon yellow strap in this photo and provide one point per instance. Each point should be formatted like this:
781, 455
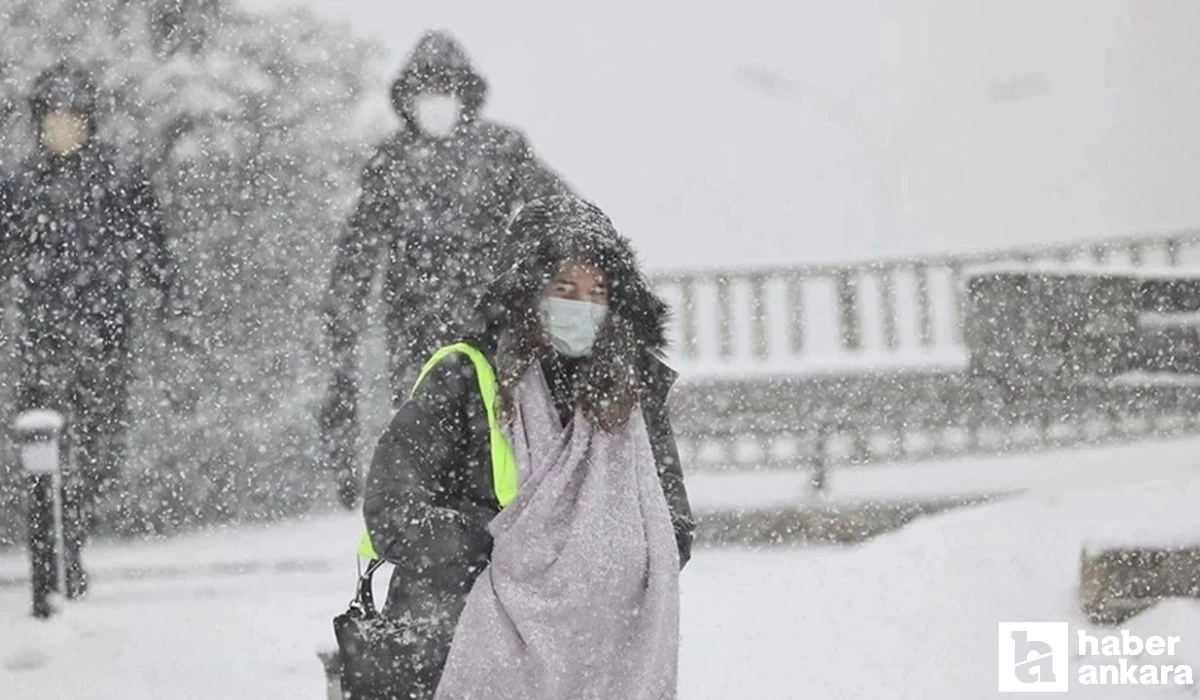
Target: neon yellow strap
366, 550
504, 462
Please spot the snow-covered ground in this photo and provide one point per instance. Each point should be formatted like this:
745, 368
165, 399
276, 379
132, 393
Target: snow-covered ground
967, 476
912, 614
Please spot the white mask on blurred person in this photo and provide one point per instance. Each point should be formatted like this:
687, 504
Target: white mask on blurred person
64, 132
437, 115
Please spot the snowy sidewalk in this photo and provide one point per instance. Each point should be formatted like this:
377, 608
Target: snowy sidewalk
325, 543
318, 544
911, 614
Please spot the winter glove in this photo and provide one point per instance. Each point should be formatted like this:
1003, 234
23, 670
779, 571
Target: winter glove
178, 322
339, 436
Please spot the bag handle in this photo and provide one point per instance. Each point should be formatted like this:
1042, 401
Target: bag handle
364, 598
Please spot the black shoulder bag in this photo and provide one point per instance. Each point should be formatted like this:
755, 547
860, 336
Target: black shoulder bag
381, 658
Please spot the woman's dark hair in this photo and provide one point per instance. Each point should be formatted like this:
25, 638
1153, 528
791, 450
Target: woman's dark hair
610, 380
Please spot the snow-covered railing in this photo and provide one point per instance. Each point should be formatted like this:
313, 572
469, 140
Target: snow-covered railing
888, 417
888, 313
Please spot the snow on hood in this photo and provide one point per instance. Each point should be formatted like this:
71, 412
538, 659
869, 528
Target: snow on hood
438, 63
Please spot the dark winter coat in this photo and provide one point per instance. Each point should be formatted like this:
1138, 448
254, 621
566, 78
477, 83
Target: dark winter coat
433, 213
74, 232
430, 493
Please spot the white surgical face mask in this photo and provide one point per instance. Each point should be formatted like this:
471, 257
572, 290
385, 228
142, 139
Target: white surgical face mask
437, 115
572, 325
64, 132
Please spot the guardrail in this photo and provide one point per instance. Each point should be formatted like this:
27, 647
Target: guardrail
816, 423
893, 312
821, 365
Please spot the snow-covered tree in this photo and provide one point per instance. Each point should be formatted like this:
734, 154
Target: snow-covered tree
242, 122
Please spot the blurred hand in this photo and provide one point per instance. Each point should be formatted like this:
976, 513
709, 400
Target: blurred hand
339, 435
339, 413
178, 321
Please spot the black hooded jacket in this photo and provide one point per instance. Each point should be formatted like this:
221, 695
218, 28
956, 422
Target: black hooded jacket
430, 494
75, 230
433, 212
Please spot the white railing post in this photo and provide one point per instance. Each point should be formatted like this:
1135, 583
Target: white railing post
887, 307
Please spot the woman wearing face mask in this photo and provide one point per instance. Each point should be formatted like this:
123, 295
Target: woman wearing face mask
530, 493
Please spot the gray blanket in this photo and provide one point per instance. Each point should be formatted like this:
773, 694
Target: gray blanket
581, 599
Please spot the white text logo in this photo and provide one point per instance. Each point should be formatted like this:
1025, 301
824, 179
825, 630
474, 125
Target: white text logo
1034, 658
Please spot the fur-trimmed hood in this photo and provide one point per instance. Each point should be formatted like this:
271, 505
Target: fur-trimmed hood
546, 232
626, 364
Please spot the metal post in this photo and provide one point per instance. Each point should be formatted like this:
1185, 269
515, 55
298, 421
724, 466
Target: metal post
38, 433
925, 305
819, 480
1136, 254
758, 314
1172, 249
847, 286
724, 317
795, 285
958, 306
887, 307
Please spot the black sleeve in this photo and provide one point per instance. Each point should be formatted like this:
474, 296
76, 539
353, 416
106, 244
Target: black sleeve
155, 259
411, 509
666, 458
357, 257
532, 179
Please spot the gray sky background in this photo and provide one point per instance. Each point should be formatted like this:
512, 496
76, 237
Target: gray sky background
780, 132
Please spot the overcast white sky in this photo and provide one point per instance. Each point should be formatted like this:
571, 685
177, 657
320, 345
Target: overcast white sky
646, 108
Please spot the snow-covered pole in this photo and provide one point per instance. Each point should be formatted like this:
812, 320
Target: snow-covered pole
38, 434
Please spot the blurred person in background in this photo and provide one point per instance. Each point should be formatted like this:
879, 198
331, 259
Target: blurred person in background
78, 221
435, 201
